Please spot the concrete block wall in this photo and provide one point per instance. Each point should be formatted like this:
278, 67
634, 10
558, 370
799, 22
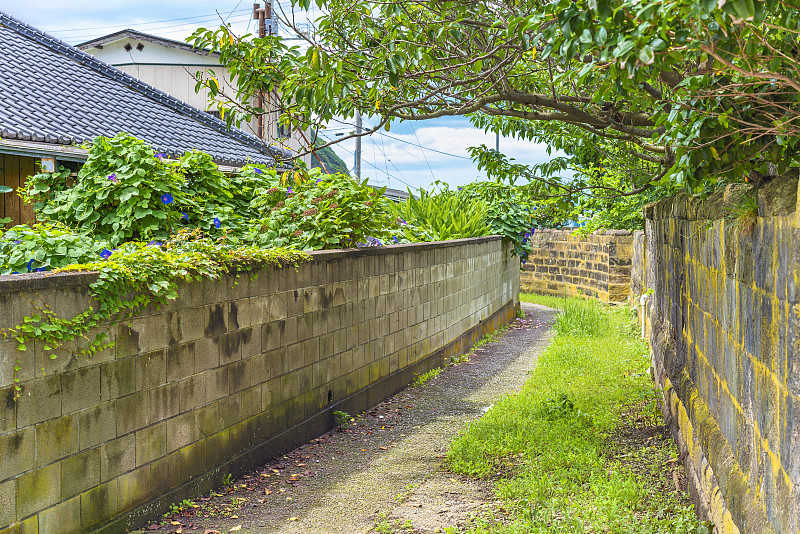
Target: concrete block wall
596, 265
231, 373
725, 314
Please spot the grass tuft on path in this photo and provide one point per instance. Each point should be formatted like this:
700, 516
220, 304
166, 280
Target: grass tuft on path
581, 448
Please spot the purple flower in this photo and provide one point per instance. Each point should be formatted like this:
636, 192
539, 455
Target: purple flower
113, 177
217, 222
105, 254
258, 171
319, 180
289, 191
166, 198
160, 156
154, 244
184, 216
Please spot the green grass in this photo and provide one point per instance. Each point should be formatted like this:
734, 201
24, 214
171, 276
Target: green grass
545, 300
551, 448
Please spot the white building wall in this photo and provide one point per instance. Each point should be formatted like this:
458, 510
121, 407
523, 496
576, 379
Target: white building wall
173, 71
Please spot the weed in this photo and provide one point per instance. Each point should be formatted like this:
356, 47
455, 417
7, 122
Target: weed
407, 489
581, 318
576, 469
227, 480
178, 508
745, 213
343, 419
549, 301
382, 525
424, 377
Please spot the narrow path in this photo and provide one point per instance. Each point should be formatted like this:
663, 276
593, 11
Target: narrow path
386, 470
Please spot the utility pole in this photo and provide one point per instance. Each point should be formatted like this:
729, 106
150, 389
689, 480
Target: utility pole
260, 14
357, 165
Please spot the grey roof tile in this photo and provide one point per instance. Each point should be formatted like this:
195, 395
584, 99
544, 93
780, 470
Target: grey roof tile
52, 92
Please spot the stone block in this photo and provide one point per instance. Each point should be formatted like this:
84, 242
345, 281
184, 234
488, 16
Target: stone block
133, 412
117, 378
181, 431
257, 367
134, 487
151, 443
8, 502
180, 361
216, 383
192, 323
56, 439
80, 389
216, 320
39, 400
230, 347
192, 392
8, 360
206, 354
192, 460
207, 419
97, 425
165, 474
80, 472
251, 341
8, 410
151, 370
39, 489
17, 452
117, 457
98, 504
165, 401
64, 518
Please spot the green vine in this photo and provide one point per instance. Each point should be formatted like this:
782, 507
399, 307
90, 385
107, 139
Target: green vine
135, 276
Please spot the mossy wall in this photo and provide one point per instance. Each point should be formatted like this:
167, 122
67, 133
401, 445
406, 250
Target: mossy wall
596, 265
231, 373
725, 312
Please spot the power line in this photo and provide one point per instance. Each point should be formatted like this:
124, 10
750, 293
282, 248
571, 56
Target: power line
206, 16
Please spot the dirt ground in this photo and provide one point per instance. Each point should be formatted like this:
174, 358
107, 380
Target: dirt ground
385, 471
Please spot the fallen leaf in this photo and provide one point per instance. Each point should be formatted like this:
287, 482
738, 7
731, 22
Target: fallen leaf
234, 517
383, 448
153, 527
212, 532
267, 491
292, 519
176, 523
234, 529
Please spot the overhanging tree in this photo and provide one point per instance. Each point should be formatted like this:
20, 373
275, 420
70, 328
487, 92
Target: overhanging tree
678, 91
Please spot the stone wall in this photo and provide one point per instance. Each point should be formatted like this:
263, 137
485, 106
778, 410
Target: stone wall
725, 313
597, 265
231, 373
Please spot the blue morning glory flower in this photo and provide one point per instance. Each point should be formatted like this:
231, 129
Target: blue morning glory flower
184, 216
161, 155
105, 253
289, 190
29, 264
166, 198
217, 222
113, 177
154, 244
395, 238
258, 171
319, 180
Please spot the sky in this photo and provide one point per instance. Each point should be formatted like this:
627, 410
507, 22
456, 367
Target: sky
411, 154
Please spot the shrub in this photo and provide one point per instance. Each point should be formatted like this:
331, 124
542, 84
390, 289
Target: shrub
321, 211
442, 216
581, 318
45, 246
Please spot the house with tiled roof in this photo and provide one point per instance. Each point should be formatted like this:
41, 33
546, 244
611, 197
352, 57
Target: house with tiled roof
54, 97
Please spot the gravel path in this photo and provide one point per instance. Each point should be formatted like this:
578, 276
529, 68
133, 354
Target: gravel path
386, 470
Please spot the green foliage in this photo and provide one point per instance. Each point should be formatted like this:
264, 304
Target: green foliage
321, 212
123, 192
547, 444
43, 247
511, 214
745, 213
426, 376
694, 92
581, 317
342, 419
442, 216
